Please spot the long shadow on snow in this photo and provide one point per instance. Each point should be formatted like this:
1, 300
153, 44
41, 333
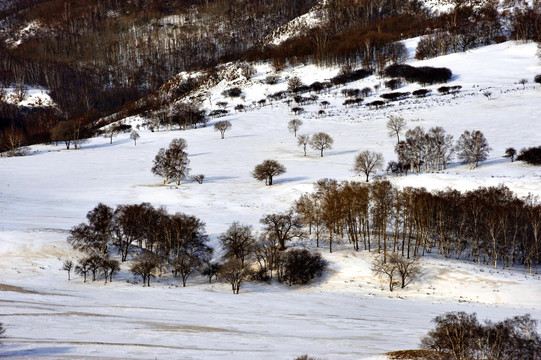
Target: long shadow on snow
291, 179
218, 178
45, 351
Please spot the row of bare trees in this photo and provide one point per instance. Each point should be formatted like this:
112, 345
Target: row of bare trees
488, 225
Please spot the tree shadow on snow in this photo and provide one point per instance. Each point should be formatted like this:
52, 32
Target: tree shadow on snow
218, 178
103, 145
291, 179
44, 351
332, 153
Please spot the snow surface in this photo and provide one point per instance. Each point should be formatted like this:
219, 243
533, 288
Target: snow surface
348, 314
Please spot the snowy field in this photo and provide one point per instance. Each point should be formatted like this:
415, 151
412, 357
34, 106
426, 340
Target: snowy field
348, 314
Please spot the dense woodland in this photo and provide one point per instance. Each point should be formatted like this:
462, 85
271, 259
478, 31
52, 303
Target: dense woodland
99, 57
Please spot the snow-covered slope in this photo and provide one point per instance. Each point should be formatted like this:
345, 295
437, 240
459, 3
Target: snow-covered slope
348, 314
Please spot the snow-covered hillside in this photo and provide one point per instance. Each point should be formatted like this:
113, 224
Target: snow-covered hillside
348, 314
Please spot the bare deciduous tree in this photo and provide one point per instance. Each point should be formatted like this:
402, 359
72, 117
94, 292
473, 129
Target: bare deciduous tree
144, 266
238, 242
267, 170
472, 148
382, 268
368, 162
283, 227
2, 331
303, 140
93, 238
112, 130
510, 153
173, 162
235, 273
408, 269
395, 125
294, 83
222, 127
294, 126
82, 268
321, 141
134, 135
68, 266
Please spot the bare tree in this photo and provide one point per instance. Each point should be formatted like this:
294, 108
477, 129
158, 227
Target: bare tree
211, 270
283, 227
368, 162
68, 266
382, 268
114, 129
21, 92
321, 141
144, 266
523, 82
109, 267
303, 140
222, 127
297, 110
173, 162
294, 126
199, 178
82, 268
2, 331
294, 83
472, 148
395, 125
134, 135
235, 273
408, 269
238, 242
93, 238
267, 170
510, 153
14, 140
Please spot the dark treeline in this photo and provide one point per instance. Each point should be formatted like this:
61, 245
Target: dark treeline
97, 57
488, 225
355, 32
366, 31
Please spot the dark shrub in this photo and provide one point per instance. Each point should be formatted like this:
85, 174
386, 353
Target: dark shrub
393, 84
395, 96
531, 155
423, 75
421, 92
232, 92
301, 266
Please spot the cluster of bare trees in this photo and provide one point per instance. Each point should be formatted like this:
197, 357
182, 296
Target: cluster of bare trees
434, 149
460, 336
153, 242
263, 257
487, 225
160, 240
